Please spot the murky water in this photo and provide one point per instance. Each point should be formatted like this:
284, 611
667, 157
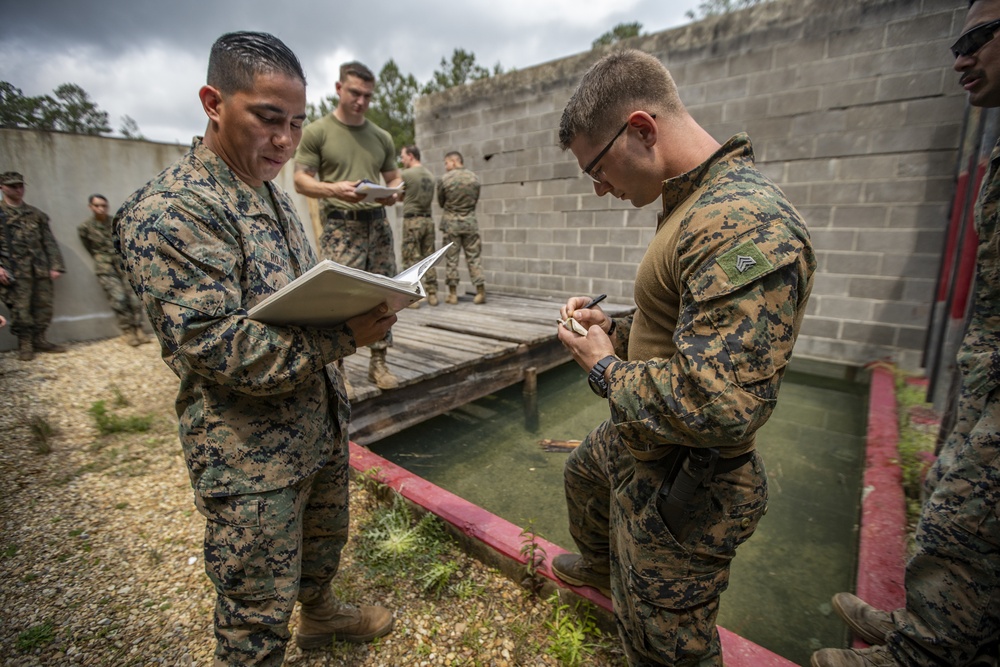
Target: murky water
804, 549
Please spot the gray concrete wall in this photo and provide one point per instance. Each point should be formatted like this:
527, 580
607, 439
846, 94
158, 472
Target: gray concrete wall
61, 172
853, 110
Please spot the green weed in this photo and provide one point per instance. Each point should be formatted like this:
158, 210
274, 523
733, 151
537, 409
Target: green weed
35, 637
108, 422
41, 434
571, 632
534, 555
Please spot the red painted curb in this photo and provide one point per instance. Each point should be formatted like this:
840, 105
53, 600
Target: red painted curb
505, 539
881, 548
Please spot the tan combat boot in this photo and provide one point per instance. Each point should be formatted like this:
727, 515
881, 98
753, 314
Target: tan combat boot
865, 621
25, 350
452, 297
480, 294
576, 570
379, 373
432, 299
42, 345
327, 620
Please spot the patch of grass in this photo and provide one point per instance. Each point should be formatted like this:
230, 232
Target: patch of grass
42, 433
120, 401
8, 551
35, 637
571, 642
108, 422
435, 578
915, 445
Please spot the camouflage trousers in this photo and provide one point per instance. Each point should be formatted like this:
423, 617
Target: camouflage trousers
361, 245
665, 594
30, 302
263, 551
418, 242
121, 297
466, 240
952, 581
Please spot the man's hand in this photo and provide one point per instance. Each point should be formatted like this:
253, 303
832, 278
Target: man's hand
55, 274
586, 350
372, 326
4, 277
345, 191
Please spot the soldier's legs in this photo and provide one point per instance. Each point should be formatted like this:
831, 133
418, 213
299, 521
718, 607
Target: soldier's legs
427, 248
473, 247
953, 579
325, 525
410, 245
253, 551
122, 300
588, 496
451, 257
22, 321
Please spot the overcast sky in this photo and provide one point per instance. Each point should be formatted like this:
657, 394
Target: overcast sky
147, 59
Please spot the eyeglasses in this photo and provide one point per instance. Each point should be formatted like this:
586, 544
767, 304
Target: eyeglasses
974, 39
598, 177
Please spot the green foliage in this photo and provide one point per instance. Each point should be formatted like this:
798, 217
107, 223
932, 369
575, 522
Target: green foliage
709, 8
35, 637
914, 444
108, 422
572, 631
68, 109
462, 69
392, 103
41, 434
435, 578
129, 128
620, 32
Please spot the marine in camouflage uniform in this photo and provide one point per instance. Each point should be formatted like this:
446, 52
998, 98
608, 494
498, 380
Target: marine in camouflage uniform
952, 579
95, 233
30, 260
263, 415
418, 225
458, 194
337, 152
720, 295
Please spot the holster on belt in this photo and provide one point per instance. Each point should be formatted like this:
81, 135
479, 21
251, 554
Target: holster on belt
692, 468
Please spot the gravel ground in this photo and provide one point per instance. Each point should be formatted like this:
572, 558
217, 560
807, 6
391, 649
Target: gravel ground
100, 547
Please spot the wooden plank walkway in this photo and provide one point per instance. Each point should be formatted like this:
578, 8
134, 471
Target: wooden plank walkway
449, 355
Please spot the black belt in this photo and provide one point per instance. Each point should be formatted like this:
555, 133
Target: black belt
416, 215
359, 215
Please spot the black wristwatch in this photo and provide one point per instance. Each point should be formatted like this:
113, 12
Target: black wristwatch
596, 376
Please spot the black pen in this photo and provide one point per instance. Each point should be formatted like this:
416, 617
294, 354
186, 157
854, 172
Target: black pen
596, 300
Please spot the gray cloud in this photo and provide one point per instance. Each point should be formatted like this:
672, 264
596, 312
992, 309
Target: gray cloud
147, 59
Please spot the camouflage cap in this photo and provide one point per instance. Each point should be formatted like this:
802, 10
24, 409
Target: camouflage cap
11, 178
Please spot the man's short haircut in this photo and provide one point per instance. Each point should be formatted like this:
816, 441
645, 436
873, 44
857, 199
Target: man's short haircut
455, 154
91, 198
414, 151
238, 57
613, 87
354, 68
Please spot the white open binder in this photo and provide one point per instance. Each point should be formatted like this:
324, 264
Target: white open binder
330, 293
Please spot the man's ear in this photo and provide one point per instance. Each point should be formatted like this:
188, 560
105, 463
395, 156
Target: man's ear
646, 124
211, 101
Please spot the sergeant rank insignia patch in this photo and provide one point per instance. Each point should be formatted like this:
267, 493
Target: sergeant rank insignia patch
744, 263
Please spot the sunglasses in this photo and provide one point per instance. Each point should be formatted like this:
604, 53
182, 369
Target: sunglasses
974, 39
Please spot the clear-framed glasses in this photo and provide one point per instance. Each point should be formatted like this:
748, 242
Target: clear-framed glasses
974, 39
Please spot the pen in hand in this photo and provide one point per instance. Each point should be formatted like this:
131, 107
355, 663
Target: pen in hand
596, 300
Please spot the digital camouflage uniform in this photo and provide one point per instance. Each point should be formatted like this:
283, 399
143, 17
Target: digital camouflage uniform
28, 251
458, 194
719, 295
340, 152
418, 225
952, 581
262, 417
96, 238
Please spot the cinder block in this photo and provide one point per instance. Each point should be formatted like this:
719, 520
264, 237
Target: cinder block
913, 84
793, 103
744, 110
848, 94
861, 216
866, 332
816, 217
912, 338
754, 61
884, 289
841, 308
832, 239
821, 327
856, 40
593, 237
933, 215
842, 144
837, 192
551, 251
853, 263
902, 313
920, 29
827, 284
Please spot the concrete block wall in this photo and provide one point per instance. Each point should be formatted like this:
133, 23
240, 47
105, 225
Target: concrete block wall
853, 109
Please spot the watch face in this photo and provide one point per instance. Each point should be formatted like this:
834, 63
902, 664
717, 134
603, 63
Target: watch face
598, 385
